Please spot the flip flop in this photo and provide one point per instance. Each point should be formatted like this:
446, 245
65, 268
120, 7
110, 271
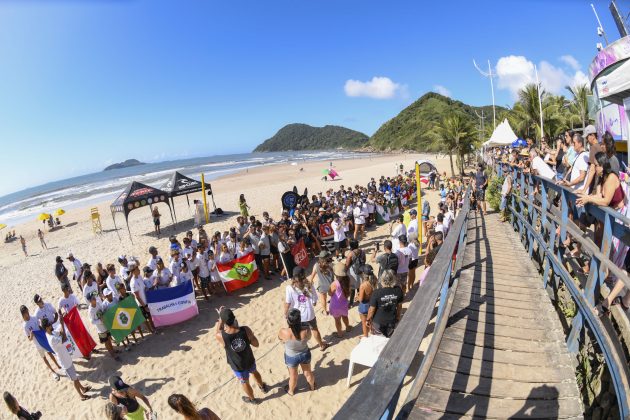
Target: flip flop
88, 388
248, 401
286, 390
264, 388
85, 397
55, 376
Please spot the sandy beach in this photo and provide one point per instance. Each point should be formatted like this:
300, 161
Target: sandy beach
184, 358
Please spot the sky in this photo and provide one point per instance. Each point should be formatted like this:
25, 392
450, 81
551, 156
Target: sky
85, 83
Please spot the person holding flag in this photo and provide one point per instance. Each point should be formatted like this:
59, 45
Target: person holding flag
31, 324
95, 313
68, 301
56, 340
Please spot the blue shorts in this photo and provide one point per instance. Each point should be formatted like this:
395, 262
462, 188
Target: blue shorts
425, 218
243, 375
364, 308
503, 203
299, 359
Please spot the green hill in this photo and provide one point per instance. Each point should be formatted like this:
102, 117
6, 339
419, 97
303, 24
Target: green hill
306, 137
410, 129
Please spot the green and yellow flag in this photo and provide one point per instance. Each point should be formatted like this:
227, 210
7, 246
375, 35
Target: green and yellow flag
122, 318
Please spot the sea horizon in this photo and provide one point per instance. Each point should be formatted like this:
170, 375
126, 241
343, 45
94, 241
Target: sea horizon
96, 187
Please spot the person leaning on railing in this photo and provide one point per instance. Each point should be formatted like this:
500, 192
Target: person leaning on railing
609, 192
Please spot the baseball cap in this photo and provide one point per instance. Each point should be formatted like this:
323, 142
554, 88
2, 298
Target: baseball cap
590, 129
298, 272
86, 265
227, 316
147, 269
37, 298
117, 383
122, 258
413, 212
69, 255
321, 209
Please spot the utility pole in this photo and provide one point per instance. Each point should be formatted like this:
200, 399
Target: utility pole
490, 76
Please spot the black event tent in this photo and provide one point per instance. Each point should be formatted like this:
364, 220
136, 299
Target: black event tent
180, 184
138, 195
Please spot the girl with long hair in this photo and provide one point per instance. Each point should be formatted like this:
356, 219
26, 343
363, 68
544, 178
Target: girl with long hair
187, 409
296, 351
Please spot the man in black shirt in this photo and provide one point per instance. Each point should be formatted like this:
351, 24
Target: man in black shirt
237, 342
61, 272
481, 182
385, 305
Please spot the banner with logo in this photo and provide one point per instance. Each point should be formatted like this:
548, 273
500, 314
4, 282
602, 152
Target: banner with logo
123, 318
300, 256
172, 305
238, 273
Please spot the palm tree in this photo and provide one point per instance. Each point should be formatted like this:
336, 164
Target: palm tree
579, 104
454, 134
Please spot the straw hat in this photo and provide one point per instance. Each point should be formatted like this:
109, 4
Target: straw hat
340, 269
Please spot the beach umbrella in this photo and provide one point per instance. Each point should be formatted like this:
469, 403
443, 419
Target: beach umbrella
60, 212
43, 216
2, 226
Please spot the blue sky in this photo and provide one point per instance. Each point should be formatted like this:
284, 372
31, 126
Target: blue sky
87, 83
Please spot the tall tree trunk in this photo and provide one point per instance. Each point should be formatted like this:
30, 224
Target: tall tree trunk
450, 156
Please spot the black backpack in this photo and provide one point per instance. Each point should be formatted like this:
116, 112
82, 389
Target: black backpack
391, 263
358, 261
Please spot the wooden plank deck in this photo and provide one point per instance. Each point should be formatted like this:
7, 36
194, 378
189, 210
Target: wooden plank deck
503, 353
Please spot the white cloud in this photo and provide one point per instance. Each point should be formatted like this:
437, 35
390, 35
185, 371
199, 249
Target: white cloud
514, 72
377, 88
442, 90
570, 61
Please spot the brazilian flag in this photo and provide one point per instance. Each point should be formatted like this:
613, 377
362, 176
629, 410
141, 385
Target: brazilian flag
123, 318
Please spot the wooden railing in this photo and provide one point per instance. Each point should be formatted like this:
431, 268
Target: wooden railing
537, 219
378, 394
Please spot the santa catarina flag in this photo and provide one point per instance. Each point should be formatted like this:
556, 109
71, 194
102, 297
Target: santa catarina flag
172, 305
238, 273
76, 332
300, 256
122, 318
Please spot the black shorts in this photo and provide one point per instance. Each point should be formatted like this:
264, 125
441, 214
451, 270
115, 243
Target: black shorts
258, 260
104, 337
145, 312
341, 244
274, 250
413, 264
481, 194
156, 221
312, 324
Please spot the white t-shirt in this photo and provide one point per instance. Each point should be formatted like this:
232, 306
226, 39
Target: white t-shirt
580, 165
338, 231
31, 325
183, 277
439, 227
306, 304
399, 230
175, 267
255, 240
264, 245
78, 268
448, 219
413, 227
137, 285
359, 217
188, 251
404, 256
164, 278
89, 290
93, 313
152, 263
542, 169
65, 304
61, 352
111, 283
414, 250
48, 312
247, 250
202, 263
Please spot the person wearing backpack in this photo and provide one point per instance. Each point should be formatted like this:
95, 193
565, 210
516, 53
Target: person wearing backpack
355, 259
387, 260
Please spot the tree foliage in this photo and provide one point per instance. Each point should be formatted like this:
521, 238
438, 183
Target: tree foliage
306, 137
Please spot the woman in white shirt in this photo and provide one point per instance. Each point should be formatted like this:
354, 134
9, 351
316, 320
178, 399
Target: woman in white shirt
162, 275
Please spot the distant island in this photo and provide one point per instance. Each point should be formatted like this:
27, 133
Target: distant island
126, 164
305, 137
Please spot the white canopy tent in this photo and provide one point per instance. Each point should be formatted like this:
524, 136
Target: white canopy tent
503, 135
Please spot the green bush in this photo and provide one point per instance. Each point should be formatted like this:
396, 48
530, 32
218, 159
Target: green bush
493, 192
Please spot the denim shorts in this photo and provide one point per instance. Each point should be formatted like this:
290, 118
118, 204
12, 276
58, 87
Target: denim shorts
303, 358
503, 203
364, 308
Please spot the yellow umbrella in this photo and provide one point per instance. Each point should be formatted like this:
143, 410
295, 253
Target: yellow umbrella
2, 226
59, 212
43, 216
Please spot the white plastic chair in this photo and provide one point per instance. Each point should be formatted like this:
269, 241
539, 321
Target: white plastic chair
366, 353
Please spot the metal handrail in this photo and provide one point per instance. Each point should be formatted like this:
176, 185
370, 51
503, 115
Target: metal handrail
377, 395
615, 225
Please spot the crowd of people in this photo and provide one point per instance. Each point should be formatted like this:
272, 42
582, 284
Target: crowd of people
332, 226
589, 167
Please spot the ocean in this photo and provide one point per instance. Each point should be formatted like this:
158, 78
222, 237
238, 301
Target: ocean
84, 190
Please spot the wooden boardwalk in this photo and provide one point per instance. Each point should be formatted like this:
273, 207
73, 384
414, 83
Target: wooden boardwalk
503, 353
